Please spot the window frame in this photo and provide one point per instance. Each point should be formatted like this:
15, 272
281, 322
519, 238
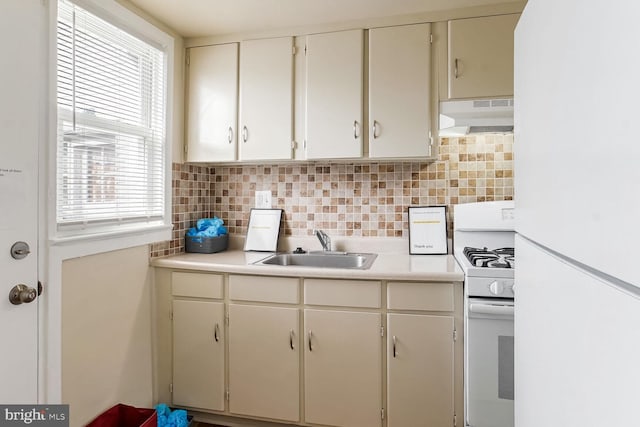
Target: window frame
126, 234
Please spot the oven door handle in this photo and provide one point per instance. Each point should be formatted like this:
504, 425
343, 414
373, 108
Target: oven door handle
505, 310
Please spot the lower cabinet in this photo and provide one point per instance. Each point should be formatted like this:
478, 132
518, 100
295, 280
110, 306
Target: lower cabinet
343, 366
311, 351
420, 375
264, 363
198, 354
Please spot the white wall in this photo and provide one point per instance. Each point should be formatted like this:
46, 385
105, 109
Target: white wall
106, 332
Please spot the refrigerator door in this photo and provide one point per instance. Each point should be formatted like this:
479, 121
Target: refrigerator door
577, 151
577, 345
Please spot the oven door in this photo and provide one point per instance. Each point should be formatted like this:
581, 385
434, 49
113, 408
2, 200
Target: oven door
489, 360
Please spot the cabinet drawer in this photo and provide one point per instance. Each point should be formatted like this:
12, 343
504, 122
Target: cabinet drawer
420, 296
263, 289
343, 293
198, 285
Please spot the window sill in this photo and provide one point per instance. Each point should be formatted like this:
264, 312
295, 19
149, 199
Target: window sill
74, 246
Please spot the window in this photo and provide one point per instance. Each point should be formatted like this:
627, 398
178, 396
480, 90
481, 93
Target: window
111, 130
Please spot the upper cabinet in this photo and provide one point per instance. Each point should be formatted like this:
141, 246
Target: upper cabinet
212, 103
481, 56
400, 91
334, 126
266, 99
303, 97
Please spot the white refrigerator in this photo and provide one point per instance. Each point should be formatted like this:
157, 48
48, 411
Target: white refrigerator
577, 196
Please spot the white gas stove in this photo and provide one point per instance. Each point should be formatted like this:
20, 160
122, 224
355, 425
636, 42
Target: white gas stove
483, 242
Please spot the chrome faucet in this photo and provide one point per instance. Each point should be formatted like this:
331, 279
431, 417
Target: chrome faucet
325, 240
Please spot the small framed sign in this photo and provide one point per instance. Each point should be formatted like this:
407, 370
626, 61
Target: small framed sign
428, 230
263, 230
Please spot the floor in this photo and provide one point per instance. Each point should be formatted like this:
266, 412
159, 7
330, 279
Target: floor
199, 424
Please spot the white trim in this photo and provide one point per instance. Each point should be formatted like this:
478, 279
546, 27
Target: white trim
112, 11
89, 244
117, 14
54, 249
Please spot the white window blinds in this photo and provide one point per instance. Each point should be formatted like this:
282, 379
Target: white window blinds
111, 124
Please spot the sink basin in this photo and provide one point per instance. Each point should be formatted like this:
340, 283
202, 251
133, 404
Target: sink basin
322, 260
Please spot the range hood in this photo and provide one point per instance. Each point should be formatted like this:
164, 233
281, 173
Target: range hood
459, 118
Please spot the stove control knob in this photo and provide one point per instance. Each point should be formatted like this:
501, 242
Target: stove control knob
496, 288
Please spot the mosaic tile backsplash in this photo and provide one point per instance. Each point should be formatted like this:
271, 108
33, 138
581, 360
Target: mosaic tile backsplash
191, 201
344, 199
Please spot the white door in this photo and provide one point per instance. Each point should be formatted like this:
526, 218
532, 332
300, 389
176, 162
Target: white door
212, 102
420, 383
198, 354
399, 91
481, 56
23, 46
334, 95
343, 368
265, 386
266, 99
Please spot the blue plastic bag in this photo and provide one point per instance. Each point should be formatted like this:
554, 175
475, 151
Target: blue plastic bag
169, 418
207, 227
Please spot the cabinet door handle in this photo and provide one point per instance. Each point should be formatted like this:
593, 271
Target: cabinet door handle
356, 129
245, 133
455, 68
230, 134
216, 332
394, 347
310, 336
291, 337
374, 129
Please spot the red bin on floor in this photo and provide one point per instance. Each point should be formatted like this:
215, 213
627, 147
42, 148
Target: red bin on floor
126, 416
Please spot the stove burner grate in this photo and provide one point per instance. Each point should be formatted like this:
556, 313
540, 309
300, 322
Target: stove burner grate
496, 258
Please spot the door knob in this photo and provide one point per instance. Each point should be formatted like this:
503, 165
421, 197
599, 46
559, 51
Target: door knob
22, 294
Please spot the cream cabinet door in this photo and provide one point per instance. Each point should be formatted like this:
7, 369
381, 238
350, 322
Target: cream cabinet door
266, 99
400, 91
198, 354
334, 95
481, 56
264, 362
343, 368
212, 103
420, 374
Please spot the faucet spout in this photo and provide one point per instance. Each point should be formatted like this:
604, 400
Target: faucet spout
325, 240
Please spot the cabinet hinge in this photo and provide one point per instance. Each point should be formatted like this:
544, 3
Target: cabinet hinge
227, 394
430, 38
294, 50
382, 414
455, 334
171, 388
430, 144
188, 57
171, 315
304, 144
294, 145
186, 149
455, 420
382, 331
305, 49
226, 318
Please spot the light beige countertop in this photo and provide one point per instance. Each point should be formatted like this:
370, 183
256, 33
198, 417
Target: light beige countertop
391, 264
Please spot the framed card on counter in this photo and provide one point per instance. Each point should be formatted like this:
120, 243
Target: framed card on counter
263, 230
428, 230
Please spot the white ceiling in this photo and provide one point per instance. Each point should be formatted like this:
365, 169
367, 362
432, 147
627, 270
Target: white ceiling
199, 18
